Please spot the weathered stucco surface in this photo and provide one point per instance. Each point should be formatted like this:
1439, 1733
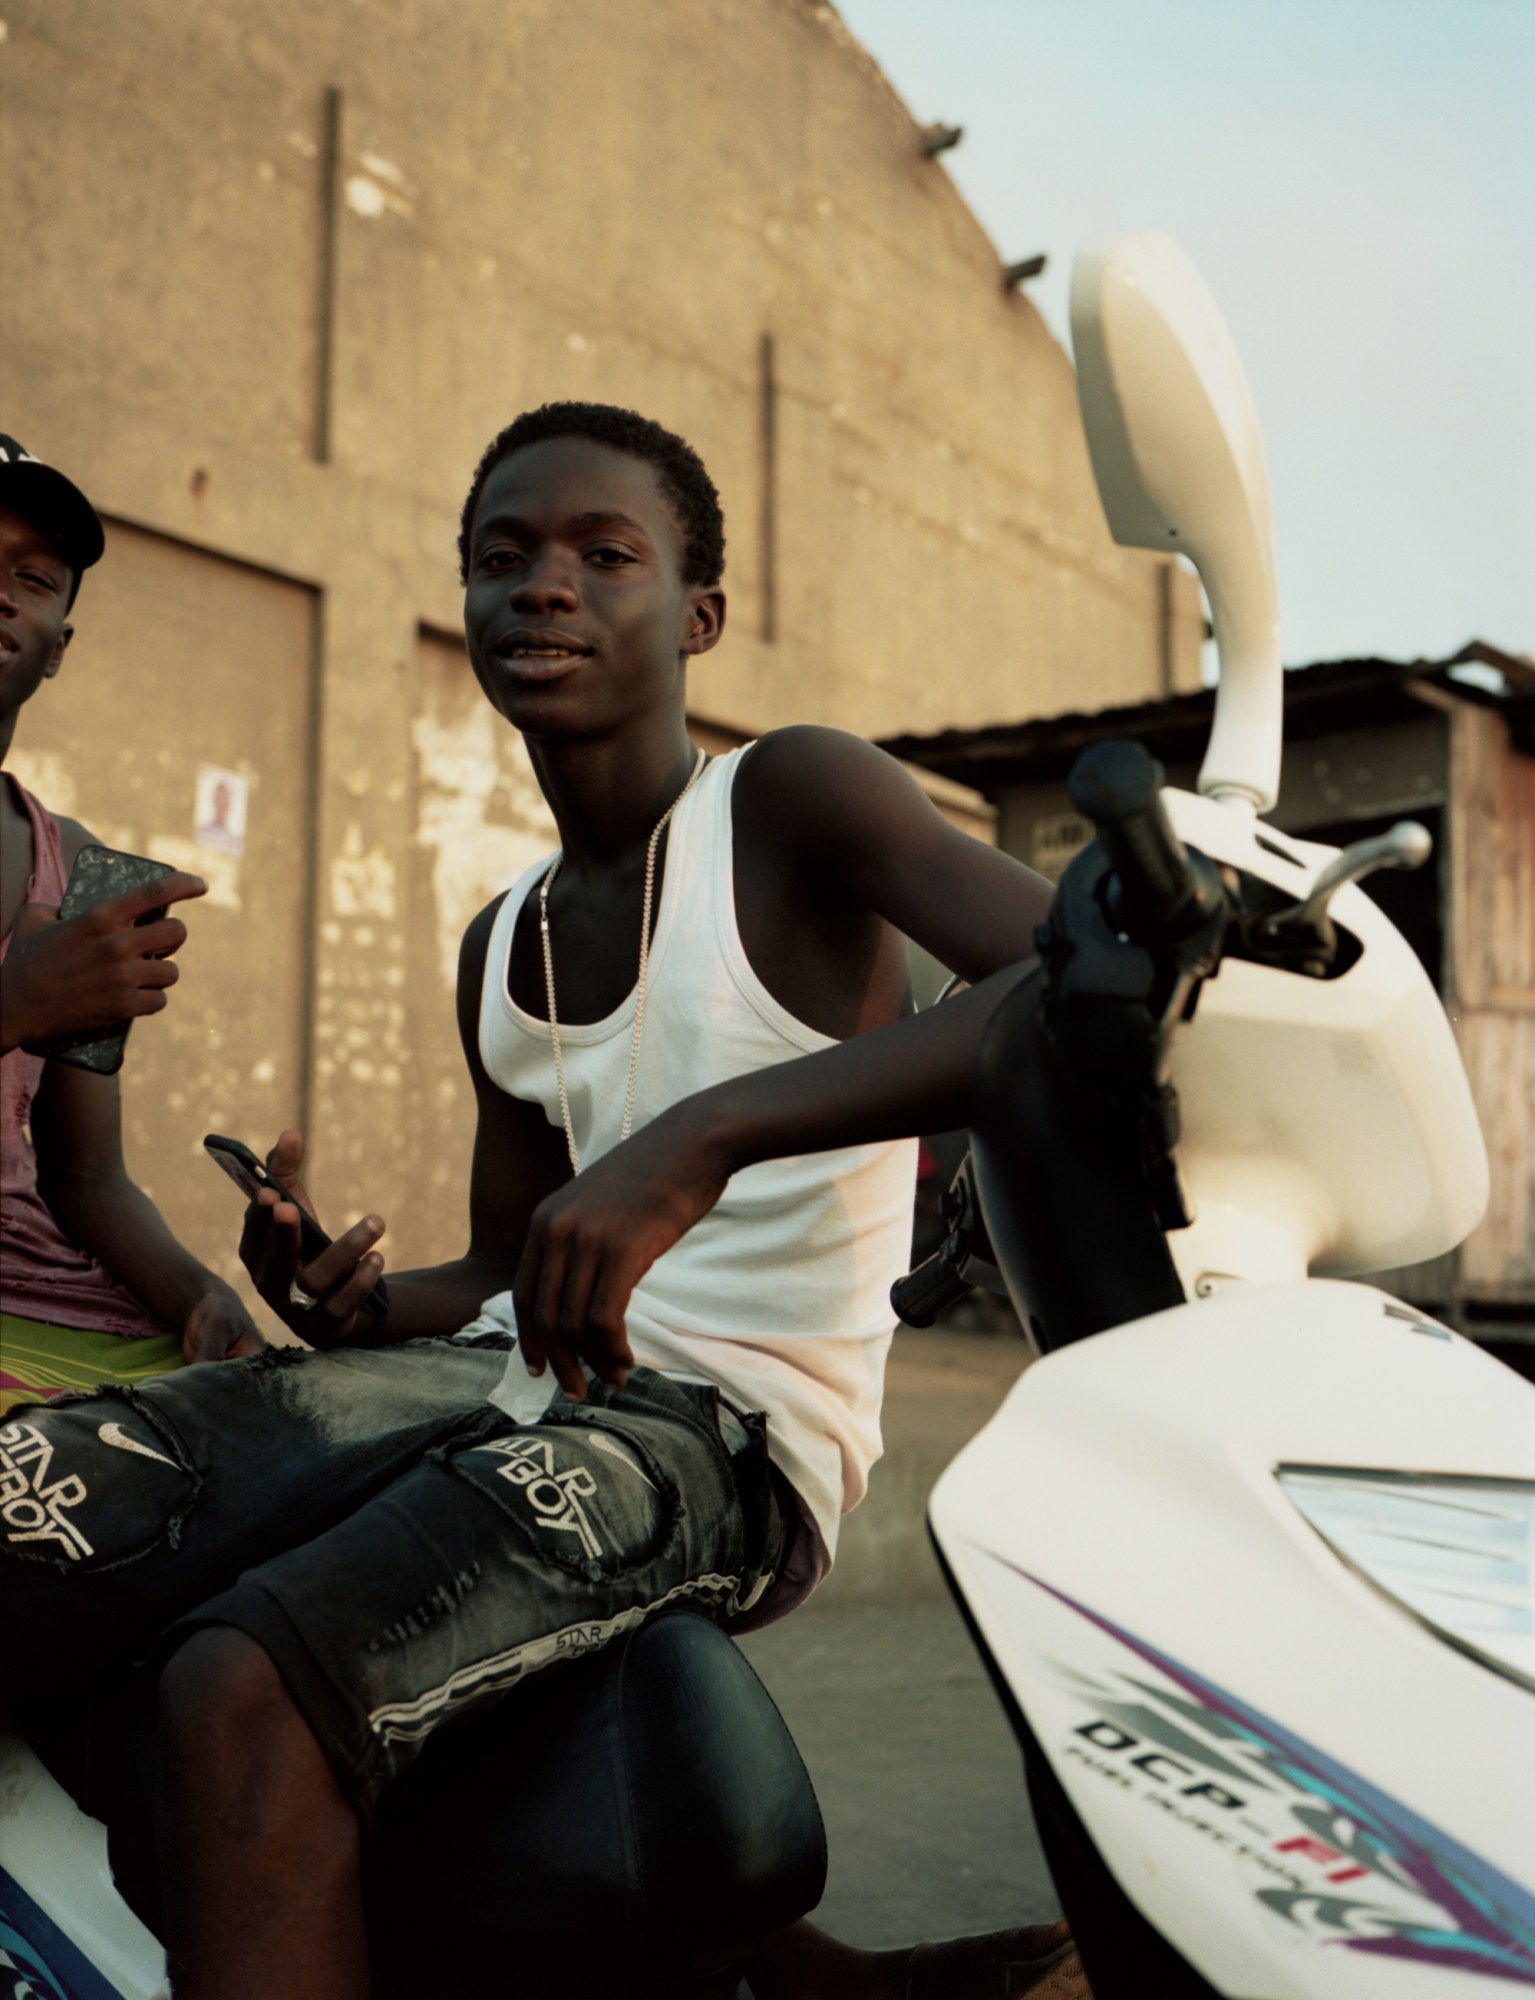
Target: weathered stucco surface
273, 360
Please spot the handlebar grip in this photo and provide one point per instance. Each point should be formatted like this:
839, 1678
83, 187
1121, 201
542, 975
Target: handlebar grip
922, 1295
1118, 786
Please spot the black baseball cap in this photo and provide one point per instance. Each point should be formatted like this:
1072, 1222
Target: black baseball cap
52, 504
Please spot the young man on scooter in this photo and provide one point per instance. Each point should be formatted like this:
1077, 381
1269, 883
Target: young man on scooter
697, 1081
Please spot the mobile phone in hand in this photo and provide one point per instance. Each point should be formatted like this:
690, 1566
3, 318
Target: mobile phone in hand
99, 874
250, 1175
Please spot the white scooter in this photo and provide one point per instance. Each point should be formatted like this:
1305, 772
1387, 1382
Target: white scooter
1253, 1566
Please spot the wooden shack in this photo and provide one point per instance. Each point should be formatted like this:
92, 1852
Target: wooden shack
1450, 743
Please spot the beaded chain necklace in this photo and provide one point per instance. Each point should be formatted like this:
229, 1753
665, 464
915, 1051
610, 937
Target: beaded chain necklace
639, 990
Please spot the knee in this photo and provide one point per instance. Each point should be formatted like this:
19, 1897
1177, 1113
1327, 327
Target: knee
220, 1686
235, 1757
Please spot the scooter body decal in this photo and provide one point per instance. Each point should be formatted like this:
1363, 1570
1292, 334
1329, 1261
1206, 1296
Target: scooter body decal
1347, 1831
39, 1957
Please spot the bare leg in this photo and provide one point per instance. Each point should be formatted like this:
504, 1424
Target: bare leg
805, 1963
258, 1849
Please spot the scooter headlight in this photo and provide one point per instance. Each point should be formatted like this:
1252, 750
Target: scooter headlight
1459, 1553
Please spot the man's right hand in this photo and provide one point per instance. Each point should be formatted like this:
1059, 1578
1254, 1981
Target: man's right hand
94, 970
336, 1281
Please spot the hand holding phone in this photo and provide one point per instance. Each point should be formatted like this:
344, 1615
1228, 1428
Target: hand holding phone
327, 1292
75, 978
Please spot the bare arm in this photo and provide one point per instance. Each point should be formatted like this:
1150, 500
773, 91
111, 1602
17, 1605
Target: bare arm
518, 1161
852, 829
77, 1129
89, 972
856, 834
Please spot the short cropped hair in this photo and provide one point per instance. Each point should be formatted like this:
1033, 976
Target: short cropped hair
684, 481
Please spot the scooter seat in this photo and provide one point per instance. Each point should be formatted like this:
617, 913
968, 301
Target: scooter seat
629, 1823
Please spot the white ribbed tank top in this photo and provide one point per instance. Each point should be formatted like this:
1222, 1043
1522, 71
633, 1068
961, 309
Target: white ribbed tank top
780, 1296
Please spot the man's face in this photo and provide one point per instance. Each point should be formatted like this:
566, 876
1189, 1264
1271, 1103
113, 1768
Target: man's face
575, 610
34, 601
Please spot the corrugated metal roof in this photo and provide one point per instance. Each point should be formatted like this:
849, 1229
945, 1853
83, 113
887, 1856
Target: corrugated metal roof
1332, 694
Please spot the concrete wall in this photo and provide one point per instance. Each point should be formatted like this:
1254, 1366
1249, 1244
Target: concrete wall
288, 264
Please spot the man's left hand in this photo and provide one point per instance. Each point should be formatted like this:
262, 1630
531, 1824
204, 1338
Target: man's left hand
591, 1242
218, 1328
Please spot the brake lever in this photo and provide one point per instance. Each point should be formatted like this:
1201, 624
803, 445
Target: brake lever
1305, 928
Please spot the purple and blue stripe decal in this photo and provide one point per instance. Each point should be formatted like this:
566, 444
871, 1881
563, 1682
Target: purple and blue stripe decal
1493, 1916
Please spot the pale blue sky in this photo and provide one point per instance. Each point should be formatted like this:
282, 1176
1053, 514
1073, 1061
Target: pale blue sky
1356, 181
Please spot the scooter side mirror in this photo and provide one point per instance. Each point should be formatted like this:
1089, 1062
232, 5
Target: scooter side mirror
1178, 457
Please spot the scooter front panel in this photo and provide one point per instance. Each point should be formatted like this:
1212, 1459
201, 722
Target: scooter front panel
62, 1923
1295, 1779
1327, 1125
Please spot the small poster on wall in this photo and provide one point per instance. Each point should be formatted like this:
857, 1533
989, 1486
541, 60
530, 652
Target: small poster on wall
218, 818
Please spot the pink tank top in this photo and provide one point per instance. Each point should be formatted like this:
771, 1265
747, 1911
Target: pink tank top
42, 1274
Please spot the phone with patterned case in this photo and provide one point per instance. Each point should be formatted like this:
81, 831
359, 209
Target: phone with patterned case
99, 874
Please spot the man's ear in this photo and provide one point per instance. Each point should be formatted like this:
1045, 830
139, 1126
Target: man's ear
56, 657
705, 620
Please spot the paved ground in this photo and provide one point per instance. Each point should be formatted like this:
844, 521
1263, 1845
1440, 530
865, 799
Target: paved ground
917, 1772
940, 1388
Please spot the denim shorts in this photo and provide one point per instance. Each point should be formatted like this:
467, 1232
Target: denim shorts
403, 1550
